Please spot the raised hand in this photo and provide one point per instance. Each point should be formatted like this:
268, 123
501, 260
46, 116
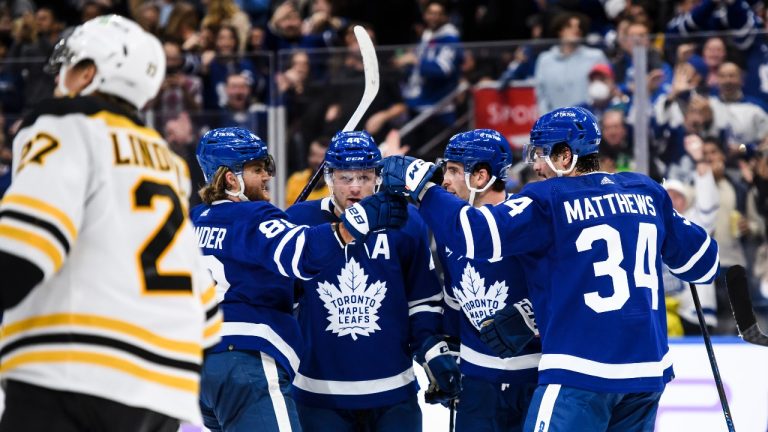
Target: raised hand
375, 212
406, 175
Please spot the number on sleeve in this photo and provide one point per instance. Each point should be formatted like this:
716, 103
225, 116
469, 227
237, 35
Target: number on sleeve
273, 227
517, 205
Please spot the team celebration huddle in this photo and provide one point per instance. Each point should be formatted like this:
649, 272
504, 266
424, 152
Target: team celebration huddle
126, 310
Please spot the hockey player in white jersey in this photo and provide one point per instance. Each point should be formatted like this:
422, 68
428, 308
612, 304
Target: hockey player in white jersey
495, 391
369, 312
254, 254
592, 245
108, 306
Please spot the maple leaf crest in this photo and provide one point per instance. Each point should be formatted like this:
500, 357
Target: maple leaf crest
477, 301
353, 305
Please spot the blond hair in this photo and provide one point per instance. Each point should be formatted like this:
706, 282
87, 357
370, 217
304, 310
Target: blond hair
216, 189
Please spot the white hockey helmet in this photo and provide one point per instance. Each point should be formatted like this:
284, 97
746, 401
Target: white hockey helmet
130, 63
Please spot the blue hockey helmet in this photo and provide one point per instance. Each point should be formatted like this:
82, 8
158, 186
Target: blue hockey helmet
480, 146
230, 147
574, 126
354, 150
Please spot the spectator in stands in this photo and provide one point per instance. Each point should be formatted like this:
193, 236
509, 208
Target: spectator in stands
602, 93
747, 121
240, 108
736, 218
92, 9
347, 84
180, 92
561, 72
180, 135
11, 82
217, 65
182, 27
434, 71
632, 33
299, 179
747, 37
226, 13
615, 146
699, 203
36, 37
322, 21
284, 30
713, 54
148, 16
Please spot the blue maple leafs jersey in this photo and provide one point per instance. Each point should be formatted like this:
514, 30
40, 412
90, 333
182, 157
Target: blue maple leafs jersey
592, 248
364, 315
475, 290
253, 253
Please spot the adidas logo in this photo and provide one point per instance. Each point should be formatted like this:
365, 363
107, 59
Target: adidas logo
205, 213
606, 181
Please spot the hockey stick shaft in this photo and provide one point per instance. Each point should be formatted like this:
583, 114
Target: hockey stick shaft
452, 413
741, 305
371, 72
712, 360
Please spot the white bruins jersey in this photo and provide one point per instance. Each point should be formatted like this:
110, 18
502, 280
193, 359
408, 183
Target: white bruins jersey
126, 306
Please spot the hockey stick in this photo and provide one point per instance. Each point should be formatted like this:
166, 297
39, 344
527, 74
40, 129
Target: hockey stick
741, 305
712, 360
371, 71
451, 412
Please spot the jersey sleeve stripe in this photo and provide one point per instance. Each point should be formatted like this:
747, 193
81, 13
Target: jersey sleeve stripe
436, 297
211, 312
100, 359
43, 321
281, 245
208, 294
711, 273
95, 340
467, 230
46, 208
425, 308
605, 370
522, 362
694, 259
32, 220
213, 329
494, 230
265, 332
297, 257
38, 242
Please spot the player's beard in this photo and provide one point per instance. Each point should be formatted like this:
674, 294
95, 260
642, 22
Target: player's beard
259, 192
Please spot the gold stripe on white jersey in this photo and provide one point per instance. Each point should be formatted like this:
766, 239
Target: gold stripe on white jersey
35, 241
53, 321
43, 210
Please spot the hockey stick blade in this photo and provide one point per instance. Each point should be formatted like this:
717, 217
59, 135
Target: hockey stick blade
371, 72
741, 305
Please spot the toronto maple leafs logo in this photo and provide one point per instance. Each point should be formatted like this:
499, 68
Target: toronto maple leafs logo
477, 301
353, 306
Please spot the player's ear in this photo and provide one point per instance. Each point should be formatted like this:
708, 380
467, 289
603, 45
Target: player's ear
232, 183
482, 177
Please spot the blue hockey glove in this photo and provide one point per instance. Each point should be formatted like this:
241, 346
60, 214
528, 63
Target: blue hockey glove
405, 175
510, 329
439, 363
375, 212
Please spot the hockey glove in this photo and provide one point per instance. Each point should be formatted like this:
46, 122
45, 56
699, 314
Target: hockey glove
375, 212
510, 329
406, 175
442, 370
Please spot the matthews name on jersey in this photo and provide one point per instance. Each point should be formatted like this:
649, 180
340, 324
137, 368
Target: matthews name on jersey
595, 263
475, 290
126, 318
364, 314
260, 278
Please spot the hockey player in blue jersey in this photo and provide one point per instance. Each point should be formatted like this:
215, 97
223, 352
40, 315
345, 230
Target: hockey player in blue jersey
495, 391
592, 245
369, 313
253, 253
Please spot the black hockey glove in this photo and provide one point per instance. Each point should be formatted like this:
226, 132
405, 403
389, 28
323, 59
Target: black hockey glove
442, 370
375, 212
406, 175
510, 329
